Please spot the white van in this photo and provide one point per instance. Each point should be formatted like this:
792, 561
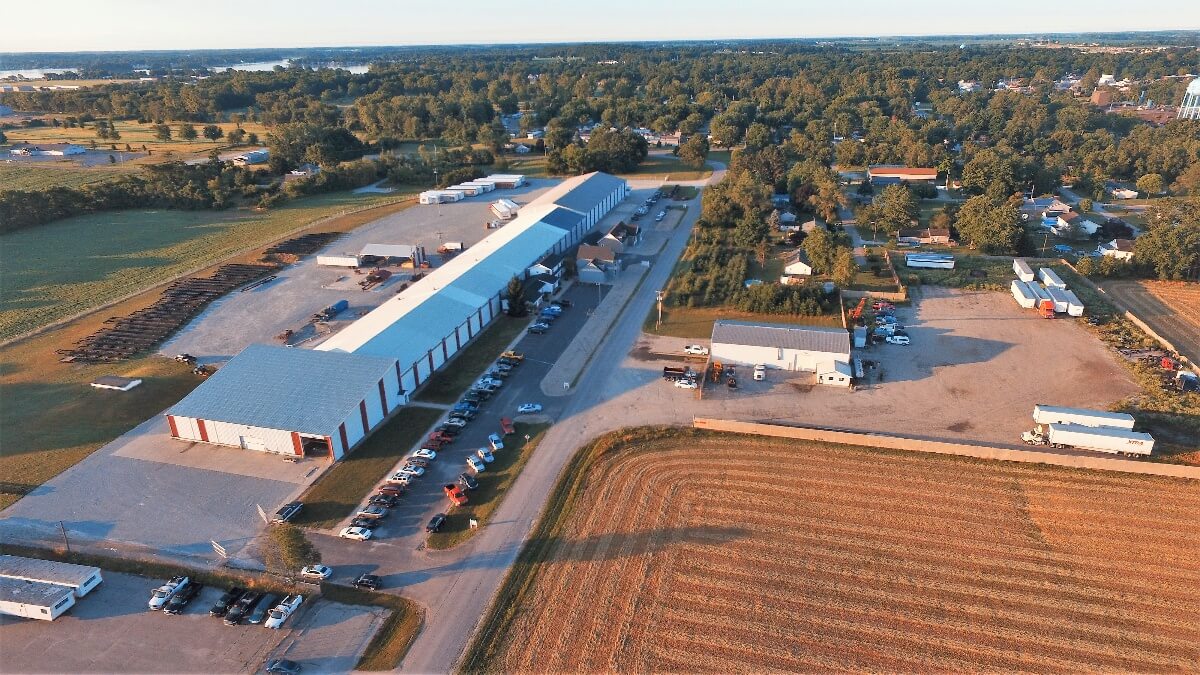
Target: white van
760, 372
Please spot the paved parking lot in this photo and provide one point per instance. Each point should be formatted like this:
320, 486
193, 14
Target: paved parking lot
258, 315
110, 630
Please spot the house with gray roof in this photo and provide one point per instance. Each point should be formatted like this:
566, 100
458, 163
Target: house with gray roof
823, 352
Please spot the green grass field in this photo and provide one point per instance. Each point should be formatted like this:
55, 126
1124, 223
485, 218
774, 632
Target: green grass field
136, 135
45, 175
697, 322
666, 167
62, 268
493, 486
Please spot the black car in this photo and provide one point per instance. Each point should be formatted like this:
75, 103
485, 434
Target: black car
369, 523
368, 581
226, 601
467, 481
472, 397
537, 329
180, 600
563, 303
283, 667
265, 605
508, 362
287, 512
384, 500
436, 522
449, 430
242, 608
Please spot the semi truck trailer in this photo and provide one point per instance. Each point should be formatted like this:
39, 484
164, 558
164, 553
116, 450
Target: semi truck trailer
1049, 414
1098, 439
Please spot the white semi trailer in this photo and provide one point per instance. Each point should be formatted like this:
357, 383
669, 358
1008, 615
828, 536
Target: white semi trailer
1098, 439
1049, 414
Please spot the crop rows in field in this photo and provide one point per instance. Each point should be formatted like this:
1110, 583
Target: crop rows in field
729, 554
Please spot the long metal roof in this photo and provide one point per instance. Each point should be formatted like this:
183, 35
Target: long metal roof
33, 593
407, 326
287, 389
48, 571
782, 336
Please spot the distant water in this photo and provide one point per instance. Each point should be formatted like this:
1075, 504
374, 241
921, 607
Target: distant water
270, 65
35, 74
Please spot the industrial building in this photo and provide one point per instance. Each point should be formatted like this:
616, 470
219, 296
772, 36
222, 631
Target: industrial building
291, 401
424, 326
890, 174
825, 352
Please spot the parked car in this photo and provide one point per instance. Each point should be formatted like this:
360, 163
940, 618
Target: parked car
503, 369
660, 216
403, 479
455, 421
760, 372
485, 455
368, 581
456, 494
898, 339
435, 523
391, 489
242, 608
449, 430
287, 512
163, 594
282, 667
283, 610
226, 601
473, 397
696, 350
506, 426
515, 356
529, 408
260, 613
368, 523
685, 383
181, 598
425, 454
386, 501
552, 309
562, 302
475, 464
411, 470
467, 481
539, 328
495, 441
546, 317
357, 533
376, 512
318, 572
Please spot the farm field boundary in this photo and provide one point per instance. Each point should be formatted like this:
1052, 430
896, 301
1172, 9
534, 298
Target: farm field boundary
1063, 459
195, 270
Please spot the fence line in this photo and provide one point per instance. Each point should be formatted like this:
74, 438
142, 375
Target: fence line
1054, 457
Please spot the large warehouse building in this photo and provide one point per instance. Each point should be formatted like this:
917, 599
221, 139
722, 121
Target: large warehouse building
290, 401
324, 401
825, 352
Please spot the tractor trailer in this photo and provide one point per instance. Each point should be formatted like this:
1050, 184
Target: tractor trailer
1049, 414
1099, 439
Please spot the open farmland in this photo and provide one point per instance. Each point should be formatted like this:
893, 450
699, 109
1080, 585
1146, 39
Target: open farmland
62, 268
1171, 308
135, 135
46, 175
683, 551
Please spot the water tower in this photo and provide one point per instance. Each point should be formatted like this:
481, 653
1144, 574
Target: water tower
1190, 108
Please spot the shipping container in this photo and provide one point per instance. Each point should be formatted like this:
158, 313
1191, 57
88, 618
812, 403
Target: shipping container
1051, 279
1022, 269
1048, 414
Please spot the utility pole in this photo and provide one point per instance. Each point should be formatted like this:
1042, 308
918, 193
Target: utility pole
66, 541
659, 295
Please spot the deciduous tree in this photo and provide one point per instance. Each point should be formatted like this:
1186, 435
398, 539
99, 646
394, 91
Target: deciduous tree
286, 549
213, 132
187, 132
989, 226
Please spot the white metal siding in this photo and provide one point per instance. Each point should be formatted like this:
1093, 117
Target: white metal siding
226, 433
37, 611
186, 428
783, 359
354, 430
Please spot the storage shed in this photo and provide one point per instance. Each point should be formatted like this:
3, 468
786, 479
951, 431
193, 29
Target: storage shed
1022, 269
291, 401
810, 349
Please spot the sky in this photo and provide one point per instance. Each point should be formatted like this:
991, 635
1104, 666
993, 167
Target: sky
118, 25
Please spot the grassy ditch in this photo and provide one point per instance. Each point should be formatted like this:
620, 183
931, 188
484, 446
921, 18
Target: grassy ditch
350, 481
452, 380
493, 486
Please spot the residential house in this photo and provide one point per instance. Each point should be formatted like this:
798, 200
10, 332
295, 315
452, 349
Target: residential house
1124, 193
795, 267
622, 236
923, 236
1121, 249
1065, 222
551, 264
593, 263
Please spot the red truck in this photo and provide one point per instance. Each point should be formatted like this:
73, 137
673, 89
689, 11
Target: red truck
455, 493
506, 426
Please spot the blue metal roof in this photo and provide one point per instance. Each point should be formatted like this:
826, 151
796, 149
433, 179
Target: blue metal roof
288, 389
586, 194
563, 218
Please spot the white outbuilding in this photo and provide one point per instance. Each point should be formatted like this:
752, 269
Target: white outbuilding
825, 352
34, 599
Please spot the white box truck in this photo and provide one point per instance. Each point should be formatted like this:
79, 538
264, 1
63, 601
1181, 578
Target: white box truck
1099, 439
1049, 414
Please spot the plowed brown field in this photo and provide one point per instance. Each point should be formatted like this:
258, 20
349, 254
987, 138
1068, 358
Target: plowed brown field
1171, 308
692, 552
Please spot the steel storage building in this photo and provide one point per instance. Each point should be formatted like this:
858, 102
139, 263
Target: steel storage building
823, 351
291, 401
34, 599
79, 579
424, 326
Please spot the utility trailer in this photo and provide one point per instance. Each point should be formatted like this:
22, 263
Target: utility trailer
1098, 439
1049, 414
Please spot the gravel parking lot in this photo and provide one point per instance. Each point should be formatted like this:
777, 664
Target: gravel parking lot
258, 315
110, 630
976, 366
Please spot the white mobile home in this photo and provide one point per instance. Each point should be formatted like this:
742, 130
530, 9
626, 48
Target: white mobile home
34, 599
1022, 269
943, 261
1050, 278
80, 579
